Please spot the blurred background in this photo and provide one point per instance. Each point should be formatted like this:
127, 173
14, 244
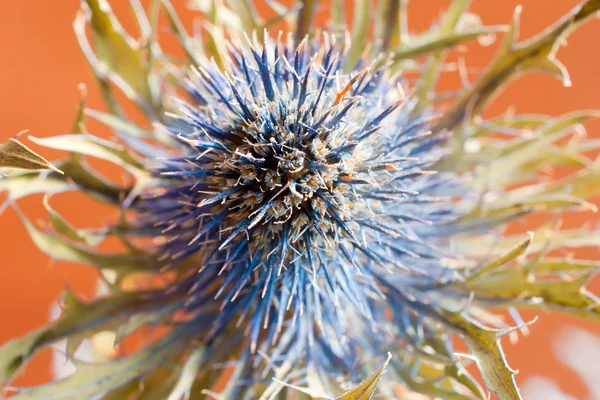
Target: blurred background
42, 66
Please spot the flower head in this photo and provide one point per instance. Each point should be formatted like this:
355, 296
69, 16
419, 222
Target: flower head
301, 186
301, 207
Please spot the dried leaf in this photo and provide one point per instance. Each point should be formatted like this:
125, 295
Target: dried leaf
429, 366
14, 154
366, 389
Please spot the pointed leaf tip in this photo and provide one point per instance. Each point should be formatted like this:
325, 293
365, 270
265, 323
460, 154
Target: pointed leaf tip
366, 389
14, 154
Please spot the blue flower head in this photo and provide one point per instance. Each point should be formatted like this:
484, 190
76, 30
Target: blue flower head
303, 188
303, 206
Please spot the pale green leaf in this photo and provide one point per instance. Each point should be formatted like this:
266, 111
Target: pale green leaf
583, 184
429, 366
78, 320
338, 15
231, 388
191, 47
119, 52
546, 237
429, 78
60, 249
516, 252
247, 14
517, 207
24, 184
153, 385
95, 147
305, 19
425, 44
360, 33
556, 266
284, 13
429, 380
120, 125
532, 287
79, 123
188, 374
514, 59
92, 183
215, 39
64, 228
485, 345
101, 73
91, 379
14, 353
387, 27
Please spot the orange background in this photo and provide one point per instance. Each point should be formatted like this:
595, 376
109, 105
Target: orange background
41, 67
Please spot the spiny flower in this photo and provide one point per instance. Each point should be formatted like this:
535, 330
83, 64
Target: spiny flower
301, 207
301, 185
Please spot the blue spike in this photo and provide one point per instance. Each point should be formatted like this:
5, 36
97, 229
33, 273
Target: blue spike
324, 81
263, 69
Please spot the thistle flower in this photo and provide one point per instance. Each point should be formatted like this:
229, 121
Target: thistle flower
301, 207
302, 187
